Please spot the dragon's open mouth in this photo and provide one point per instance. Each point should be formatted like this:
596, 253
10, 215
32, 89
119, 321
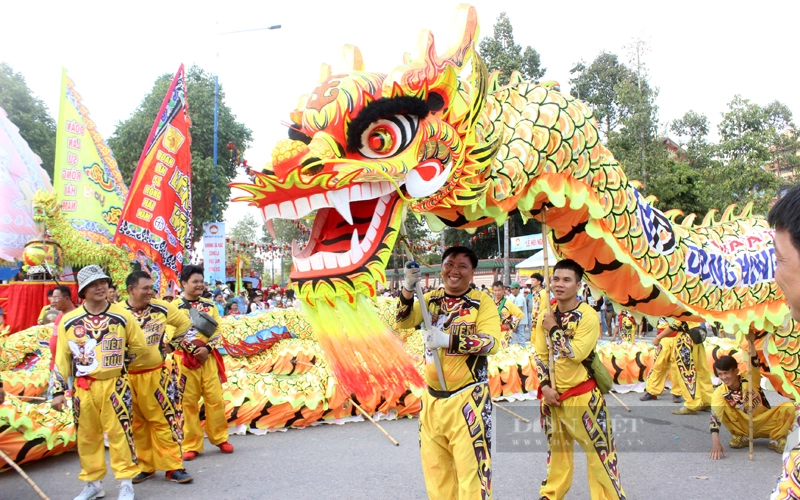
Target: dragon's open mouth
349, 228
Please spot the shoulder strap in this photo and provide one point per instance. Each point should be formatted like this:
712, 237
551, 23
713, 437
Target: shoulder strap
501, 305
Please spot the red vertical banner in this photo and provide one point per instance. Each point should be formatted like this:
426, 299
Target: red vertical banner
157, 219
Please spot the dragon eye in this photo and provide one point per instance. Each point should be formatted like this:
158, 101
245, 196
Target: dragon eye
388, 136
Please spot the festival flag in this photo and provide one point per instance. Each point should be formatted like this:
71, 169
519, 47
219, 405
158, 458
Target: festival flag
86, 177
157, 219
21, 175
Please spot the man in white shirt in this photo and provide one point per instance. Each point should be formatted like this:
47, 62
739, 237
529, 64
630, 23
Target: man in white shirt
519, 336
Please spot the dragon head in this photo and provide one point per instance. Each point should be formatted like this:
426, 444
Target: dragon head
45, 205
364, 147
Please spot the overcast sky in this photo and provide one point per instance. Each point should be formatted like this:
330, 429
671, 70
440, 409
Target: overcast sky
701, 53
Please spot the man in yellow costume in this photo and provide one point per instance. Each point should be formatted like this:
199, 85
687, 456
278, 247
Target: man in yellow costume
730, 405
202, 372
455, 423
157, 428
539, 298
94, 343
665, 365
573, 408
626, 327
510, 314
695, 377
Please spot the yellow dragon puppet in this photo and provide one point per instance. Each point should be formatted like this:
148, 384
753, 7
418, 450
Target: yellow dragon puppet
440, 137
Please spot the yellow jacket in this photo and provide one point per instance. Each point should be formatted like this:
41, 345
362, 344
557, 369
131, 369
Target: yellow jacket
473, 324
96, 346
153, 320
572, 343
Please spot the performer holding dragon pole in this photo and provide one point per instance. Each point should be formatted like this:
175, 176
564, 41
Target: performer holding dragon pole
157, 428
94, 343
730, 406
573, 410
455, 426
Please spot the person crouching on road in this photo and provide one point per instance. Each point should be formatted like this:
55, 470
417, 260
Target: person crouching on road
730, 404
455, 423
94, 342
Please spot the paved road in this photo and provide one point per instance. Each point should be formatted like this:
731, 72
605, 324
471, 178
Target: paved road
661, 456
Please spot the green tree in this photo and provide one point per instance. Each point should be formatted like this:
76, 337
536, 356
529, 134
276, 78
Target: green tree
596, 84
130, 135
30, 115
244, 229
748, 131
692, 131
752, 138
241, 240
786, 154
287, 231
501, 53
637, 144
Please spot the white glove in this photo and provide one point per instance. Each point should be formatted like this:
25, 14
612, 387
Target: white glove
412, 274
436, 339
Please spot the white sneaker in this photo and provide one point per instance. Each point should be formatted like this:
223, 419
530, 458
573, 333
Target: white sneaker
125, 492
90, 492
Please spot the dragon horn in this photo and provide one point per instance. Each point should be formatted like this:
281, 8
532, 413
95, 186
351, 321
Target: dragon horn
352, 58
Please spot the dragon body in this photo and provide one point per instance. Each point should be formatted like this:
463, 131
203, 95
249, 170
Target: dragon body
279, 378
439, 137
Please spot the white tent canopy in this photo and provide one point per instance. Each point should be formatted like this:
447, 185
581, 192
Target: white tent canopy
536, 261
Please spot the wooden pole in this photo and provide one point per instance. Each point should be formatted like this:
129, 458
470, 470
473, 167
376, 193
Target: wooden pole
620, 401
545, 253
361, 410
426, 315
366, 415
750, 397
24, 476
513, 414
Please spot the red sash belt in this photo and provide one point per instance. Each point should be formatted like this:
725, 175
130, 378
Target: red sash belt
189, 361
671, 335
148, 370
579, 389
84, 382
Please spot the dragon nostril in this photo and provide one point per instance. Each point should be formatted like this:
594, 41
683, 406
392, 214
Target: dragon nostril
312, 166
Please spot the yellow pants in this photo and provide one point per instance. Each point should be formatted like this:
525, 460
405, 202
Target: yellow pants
774, 423
664, 366
695, 376
202, 382
105, 407
455, 436
564, 425
156, 421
